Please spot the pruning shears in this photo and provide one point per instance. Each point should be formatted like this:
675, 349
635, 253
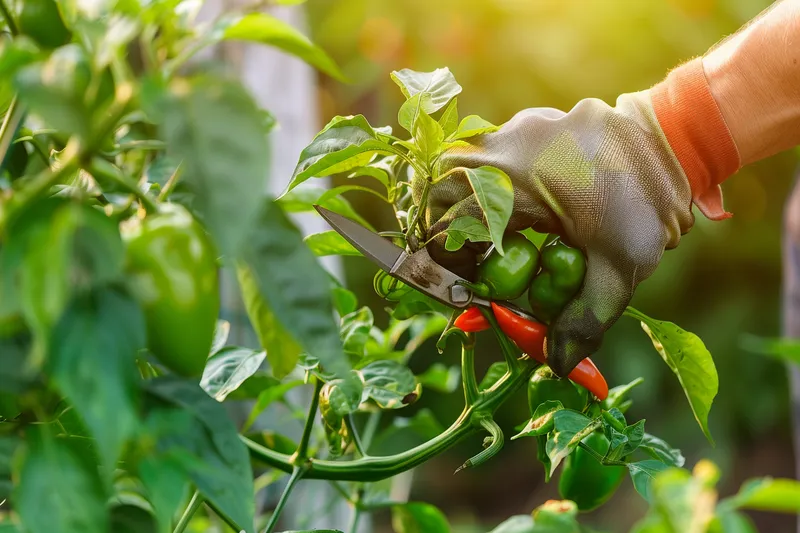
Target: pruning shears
420, 271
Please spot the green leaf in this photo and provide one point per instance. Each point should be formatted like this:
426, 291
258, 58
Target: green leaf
266, 397
689, 360
658, 449
266, 29
473, 125
423, 426
496, 371
92, 361
166, 486
428, 136
409, 114
465, 229
681, 500
642, 474
295, 292
58, 488
344, 144
390, 384
414, 303
207, 446
303, 199
449, 119
731, 522
55, 90
355, 330
569, 429
221, 332
768, 494
337, 399
631, 439
330, 242
440, 84
281, 348
542, 421
617, 396
344, 301
227, 369
418, 517
495, 196
9, 445
784, 349
215, 127
441, 378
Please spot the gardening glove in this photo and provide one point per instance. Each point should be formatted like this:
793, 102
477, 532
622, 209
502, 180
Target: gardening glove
617, 182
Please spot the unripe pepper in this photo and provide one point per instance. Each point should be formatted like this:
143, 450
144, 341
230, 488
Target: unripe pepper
585, 480
172, 269
561, 277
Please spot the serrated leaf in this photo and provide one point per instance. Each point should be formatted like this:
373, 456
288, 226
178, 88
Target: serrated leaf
266, 29
330, 242
227, 369
495, 195
464, 229
689, 360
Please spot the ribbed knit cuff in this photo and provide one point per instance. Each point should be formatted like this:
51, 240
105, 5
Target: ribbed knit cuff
697, 133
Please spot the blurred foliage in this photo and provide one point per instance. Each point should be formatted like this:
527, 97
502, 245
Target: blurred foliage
722, 282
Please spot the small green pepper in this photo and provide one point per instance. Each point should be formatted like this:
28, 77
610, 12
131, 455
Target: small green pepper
563, 270
585, 480
506, 277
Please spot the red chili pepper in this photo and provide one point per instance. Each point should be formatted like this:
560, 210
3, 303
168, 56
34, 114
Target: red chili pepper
529, 336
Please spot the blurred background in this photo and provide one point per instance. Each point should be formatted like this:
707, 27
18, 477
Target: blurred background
722, 282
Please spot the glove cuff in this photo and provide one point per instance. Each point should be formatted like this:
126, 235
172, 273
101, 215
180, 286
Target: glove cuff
696, 131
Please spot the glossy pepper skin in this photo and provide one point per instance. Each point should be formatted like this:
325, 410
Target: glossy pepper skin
544, 386
585, 480
171, 264
529, 337
561, 277
508, 276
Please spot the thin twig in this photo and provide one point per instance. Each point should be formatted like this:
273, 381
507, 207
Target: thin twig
297, 475
194, 505
301, 454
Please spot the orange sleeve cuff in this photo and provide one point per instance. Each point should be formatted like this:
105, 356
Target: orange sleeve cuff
697, 133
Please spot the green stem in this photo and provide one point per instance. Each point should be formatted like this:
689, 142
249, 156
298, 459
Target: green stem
613, 422
468, 379
370, 428
494, 448
12, 25
11, 123
353, 528
508, 348
194, 505
297, 475
102, 168
600, 459
169, 186
351, 427
301, 454
420, 208
368, 469
224, 517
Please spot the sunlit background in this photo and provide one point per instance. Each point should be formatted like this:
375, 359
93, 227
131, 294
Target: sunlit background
722, 282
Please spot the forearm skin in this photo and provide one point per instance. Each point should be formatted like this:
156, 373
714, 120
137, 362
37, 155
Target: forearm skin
754, 75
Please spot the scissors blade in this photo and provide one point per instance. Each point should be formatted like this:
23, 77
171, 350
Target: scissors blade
417, 270
380, 250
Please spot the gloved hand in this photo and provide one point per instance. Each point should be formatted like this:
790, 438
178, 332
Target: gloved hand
609, 181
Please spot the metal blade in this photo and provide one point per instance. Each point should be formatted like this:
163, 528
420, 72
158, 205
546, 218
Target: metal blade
379, 249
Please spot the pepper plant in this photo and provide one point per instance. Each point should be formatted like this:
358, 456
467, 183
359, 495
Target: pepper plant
132, 174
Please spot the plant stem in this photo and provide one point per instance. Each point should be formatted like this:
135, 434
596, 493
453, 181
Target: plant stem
102, 168
169, 186
11, 122
12, 25
420, 208
370, 428
194, 505
301, 454
351, 427
225, 518
508, 348
494, 448
353, 528
468, 379
600, 459
297, 475
368, 469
